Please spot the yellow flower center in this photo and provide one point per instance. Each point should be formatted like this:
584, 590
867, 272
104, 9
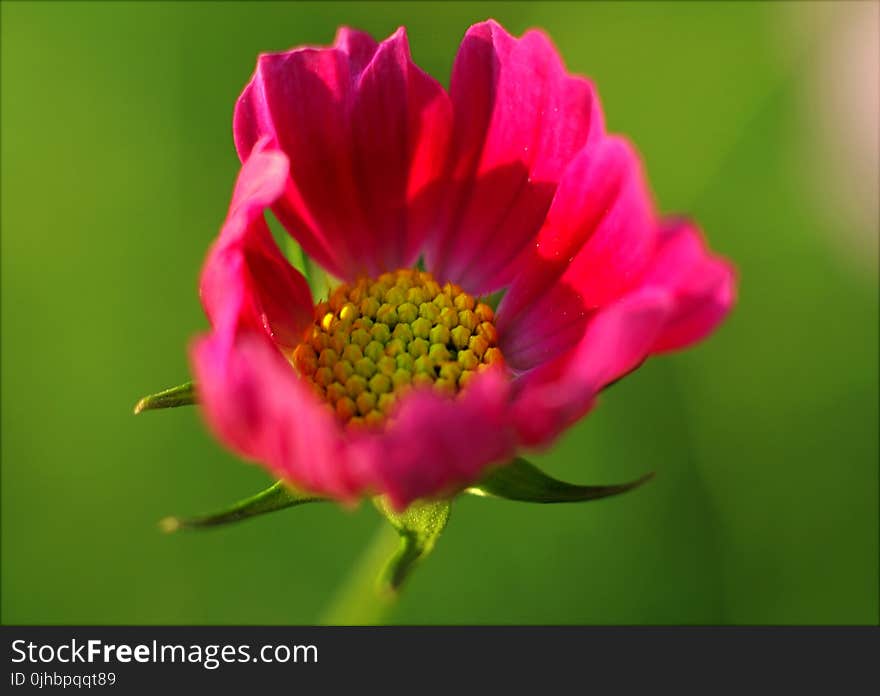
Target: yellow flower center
376, 338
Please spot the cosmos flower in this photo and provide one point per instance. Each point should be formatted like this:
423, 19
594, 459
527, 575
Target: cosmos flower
498, 255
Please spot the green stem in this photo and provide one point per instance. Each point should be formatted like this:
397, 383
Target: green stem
358, 601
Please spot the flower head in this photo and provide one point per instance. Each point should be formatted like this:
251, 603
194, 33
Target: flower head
405, 381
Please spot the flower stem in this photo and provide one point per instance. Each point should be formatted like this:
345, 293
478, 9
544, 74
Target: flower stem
358, 601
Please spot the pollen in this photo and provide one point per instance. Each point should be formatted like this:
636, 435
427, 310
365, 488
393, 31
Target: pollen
375, 339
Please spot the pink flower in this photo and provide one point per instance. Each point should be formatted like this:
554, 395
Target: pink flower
507, 182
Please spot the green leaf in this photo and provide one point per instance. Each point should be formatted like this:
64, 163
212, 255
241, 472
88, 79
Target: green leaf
520, 480
182, 395
276, 497
419, 527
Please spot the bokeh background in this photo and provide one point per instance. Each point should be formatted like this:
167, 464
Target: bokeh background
760, 119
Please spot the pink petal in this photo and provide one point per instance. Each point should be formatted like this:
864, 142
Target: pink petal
617, 339
519, 120
437, 444
703, 285
366, 132
257, 303
682, 296
598, 238
246, 280
255, 403
550, 326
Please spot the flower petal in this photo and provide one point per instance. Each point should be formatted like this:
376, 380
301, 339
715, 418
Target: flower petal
681, 297
436, 444
703, 285
258, 304
246, 280
616, 340
254, 402
366, 132
519, 118
598, 238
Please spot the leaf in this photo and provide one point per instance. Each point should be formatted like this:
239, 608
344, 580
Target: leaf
182, 395
520, 480
276, 497
419, 527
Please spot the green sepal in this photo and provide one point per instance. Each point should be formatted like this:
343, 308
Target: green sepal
276, 497
320, 282
294, 254
419, 527
523, 481
494, 299
181, 395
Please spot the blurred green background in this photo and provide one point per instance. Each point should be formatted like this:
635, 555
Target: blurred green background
117, 164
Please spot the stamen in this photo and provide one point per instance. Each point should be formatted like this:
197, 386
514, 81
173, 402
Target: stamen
375, 339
